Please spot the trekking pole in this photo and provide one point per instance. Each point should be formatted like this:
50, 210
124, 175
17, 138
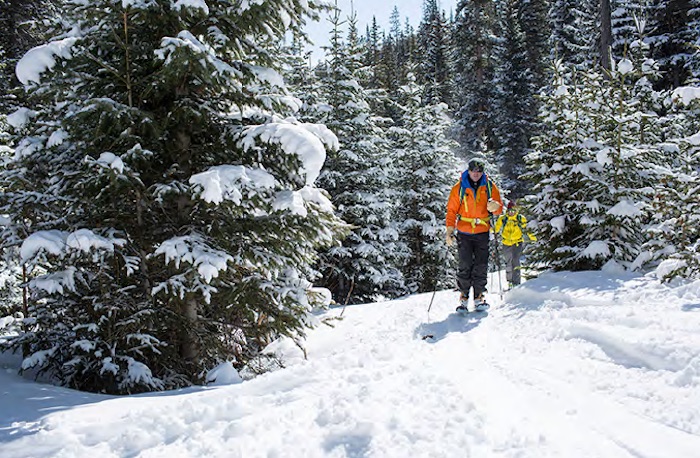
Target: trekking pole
432, 298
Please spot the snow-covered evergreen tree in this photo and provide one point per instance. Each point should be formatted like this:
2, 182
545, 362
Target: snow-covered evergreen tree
515, 100
594, 165
427, 171
574, 33
692, 32
433, 54
534, 23
674, 231
474, 65
160, 195
554, 172
357, 177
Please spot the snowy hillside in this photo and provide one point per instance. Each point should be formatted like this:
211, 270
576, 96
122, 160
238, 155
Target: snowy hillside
588, 364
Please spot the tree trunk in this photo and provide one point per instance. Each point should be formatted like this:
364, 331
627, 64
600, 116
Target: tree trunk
189, 343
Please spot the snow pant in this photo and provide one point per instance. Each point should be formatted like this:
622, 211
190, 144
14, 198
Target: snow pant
473, 262
512, 254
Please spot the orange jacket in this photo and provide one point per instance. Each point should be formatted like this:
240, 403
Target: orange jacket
474, 218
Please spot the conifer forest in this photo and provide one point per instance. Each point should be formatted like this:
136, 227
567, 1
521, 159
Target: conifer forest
181, 184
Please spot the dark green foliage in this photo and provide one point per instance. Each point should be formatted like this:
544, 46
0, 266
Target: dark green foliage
474, 66
166, 220
433, 55
358, 178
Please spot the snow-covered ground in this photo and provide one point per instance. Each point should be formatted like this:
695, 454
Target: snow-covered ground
589, 364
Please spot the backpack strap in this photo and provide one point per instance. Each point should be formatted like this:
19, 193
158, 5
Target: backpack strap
489, 186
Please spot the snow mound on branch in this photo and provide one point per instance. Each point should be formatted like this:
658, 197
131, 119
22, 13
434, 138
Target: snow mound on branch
558, 223
20, 118
53, 242
57, 138
228, 182
194, 250
307, 141
290, 200
111, 161
624, 208
625, 66
85, 240
685, 94
596, 248
668, 266
56, 282
42, 58
57, 243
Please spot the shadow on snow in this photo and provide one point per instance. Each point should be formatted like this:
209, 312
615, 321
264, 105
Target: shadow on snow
454, 322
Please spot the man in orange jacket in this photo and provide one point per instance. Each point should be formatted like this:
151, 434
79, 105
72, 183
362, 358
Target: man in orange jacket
472, 201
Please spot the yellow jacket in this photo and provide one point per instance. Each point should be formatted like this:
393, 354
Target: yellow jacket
513, 229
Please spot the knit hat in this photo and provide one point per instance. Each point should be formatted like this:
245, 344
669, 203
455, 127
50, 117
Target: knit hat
511, 204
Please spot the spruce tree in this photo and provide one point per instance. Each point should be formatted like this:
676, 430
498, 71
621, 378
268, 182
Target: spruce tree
574, 33
515, 100
427, 163
554, 168
534, 23
433, 53
593, 167
357, 176
161, 196
473, 59
690, 32
674, 230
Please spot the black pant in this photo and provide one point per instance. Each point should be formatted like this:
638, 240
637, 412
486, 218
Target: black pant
473, 262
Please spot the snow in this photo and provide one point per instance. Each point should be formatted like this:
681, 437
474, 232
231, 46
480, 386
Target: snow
42, 58
223, 374
625, 66
596, 248
291, 201
228, 182
52, 241
56, 282
191, 4
625, 208
195, 251
306, 141
667, 266
558, 223
20, 117
111, 161
685, 94
57, 138
586, 364
57, 242
85, 240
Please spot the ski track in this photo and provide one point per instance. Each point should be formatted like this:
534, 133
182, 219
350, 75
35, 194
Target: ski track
601, 380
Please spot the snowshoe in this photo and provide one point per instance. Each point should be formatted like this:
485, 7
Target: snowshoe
463, 304
480, 304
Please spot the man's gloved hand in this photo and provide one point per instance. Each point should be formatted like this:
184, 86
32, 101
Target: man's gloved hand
493, 206
450, 237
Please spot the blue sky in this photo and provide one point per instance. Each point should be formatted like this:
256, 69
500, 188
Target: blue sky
381, 9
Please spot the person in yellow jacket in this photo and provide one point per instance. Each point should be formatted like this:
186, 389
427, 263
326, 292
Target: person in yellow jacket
472, 201
511, 226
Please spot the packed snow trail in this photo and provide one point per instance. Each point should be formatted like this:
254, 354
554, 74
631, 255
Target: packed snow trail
584, 364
